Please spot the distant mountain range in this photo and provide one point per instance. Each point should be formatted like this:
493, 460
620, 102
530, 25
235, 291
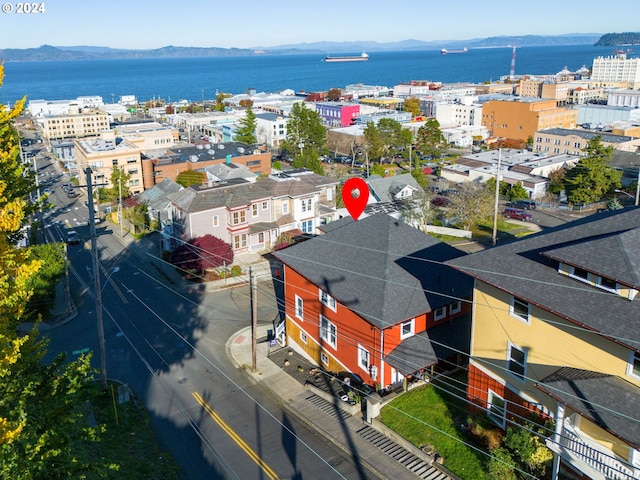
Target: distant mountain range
48, 52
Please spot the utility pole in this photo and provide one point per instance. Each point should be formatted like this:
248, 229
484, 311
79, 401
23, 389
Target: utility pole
254, 321
495, 206
120, 202
638, 187
96, 280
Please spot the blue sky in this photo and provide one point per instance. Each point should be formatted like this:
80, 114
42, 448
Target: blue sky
250, 23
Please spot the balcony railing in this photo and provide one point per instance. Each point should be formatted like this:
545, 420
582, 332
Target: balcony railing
596, 459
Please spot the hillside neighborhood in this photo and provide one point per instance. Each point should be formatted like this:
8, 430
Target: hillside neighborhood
543, 325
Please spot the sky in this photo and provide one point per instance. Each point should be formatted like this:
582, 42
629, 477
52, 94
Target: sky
143, 24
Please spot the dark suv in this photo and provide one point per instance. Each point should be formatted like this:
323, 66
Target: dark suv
523, 204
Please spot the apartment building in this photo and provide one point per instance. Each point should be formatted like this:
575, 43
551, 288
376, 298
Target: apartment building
104, 154
148, 136
573, 142
617, 68
520, 117
555, 335
170, 162
271, 129
77, 123
337, 114
237, 212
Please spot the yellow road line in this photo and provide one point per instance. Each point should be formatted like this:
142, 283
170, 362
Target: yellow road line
235, 437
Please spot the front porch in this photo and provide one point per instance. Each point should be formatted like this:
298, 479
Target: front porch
576, 449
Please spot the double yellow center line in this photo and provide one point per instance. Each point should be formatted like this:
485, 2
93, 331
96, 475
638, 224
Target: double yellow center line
235, 437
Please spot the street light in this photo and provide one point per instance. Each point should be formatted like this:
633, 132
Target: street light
629, 195
115, 270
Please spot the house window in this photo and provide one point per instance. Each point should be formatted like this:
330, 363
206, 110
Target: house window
580, 274
285, 208
265, 205
307, 226
240, 241
254, 209
238, 217
440, 313
303, 337
520, 309
328, 332
216, 220
327, 300
114, 162
496, 408
329, 194
324, 359
607, 284
633, 368
407, 329
261, 237
517, 361
455, 307
299, 307
363, 358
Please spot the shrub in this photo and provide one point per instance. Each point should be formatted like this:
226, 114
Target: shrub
501, 465
236, 270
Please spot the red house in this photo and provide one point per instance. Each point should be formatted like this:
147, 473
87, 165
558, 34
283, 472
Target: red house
373, 297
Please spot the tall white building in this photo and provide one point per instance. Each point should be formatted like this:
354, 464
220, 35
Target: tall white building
617, 68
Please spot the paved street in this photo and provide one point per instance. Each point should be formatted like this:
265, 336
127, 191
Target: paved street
166, 339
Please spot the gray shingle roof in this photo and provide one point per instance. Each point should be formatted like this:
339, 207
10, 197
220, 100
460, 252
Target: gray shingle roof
431, 346
604, 240
381, 268
586, 135
588, 392
230, 196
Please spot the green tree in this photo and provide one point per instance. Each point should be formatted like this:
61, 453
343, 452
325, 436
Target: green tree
412, 104
41, 416
430, 140
306, 137
309, 159
373, 143
420, 177
119, 188
220, 101
518, 192
395, 138
52, 259
136, 212
246, 131
592, 177
190, 177
376, 169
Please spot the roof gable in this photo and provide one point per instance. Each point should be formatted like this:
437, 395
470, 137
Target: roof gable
382, 269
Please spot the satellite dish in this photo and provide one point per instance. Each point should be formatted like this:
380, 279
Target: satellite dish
241, 149
199, 147
211, 152
221, 146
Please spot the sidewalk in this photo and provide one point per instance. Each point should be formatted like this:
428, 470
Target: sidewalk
344, 430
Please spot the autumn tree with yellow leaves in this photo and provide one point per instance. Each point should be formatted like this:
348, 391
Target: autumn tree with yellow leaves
42, 405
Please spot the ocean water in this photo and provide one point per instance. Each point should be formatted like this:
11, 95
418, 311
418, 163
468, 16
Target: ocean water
196, 78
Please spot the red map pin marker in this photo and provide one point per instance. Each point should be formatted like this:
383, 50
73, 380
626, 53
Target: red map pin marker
355, 194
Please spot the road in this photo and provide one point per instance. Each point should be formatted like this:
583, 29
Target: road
167, 342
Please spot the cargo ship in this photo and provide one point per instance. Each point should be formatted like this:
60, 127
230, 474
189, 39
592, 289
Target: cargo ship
363, 57
444, 51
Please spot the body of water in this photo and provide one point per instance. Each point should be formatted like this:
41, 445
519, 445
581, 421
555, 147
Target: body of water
196, 78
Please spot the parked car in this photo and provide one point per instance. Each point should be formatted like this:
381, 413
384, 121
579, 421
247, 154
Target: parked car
517, 214
523, 204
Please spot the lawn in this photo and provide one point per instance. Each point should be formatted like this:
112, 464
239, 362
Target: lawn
429, 416
128, 444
